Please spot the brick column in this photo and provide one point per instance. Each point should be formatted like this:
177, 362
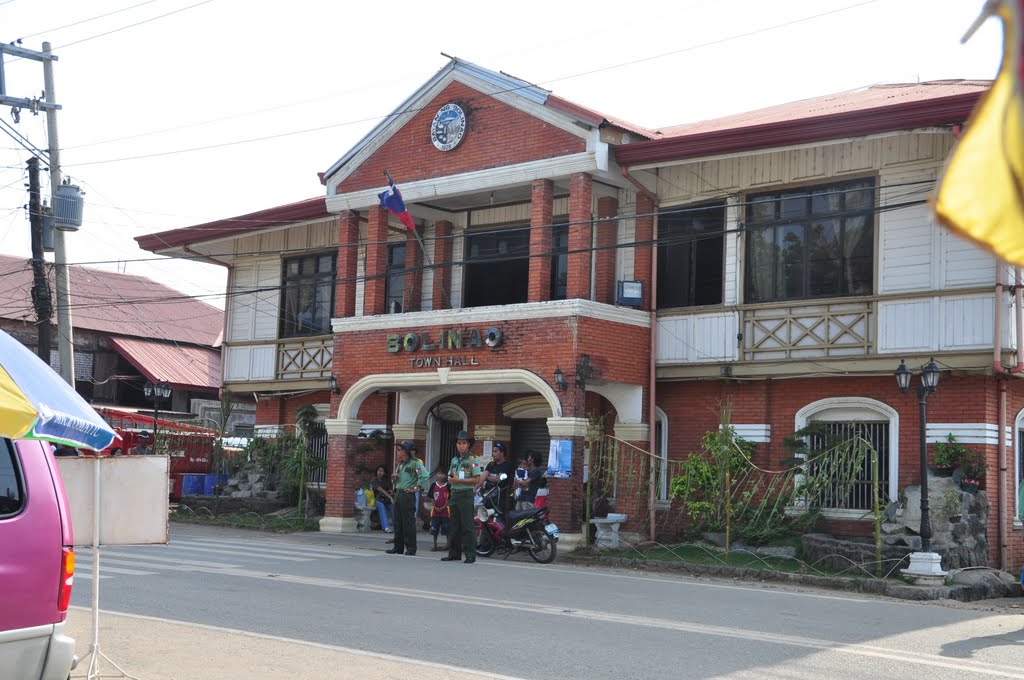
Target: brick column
541, 211
412, 297
374, 290
580, 236
644, 232
348, 251
607, 235
339, 508
442, 272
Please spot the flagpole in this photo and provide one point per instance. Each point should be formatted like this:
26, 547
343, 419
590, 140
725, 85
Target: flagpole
423, 249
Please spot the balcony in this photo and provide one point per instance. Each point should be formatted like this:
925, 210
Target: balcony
293, 359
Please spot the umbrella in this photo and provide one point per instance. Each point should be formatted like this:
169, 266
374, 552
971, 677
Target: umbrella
36, 403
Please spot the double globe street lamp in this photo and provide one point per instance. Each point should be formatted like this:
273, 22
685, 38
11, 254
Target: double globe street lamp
156, 392
924, 564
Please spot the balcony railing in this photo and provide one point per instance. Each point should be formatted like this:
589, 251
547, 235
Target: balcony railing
805, 331
305, 358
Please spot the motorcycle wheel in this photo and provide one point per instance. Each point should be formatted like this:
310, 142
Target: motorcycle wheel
485, 545
545, 553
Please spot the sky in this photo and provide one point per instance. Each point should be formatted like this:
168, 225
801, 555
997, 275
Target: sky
179, 112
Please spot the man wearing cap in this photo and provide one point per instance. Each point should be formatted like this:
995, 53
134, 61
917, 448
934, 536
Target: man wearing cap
144, 447
463, 476
410, 478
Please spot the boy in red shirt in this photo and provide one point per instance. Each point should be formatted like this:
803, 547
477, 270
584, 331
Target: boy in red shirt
440, 512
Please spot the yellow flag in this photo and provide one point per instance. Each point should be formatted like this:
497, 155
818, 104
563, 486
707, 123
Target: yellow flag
981, 193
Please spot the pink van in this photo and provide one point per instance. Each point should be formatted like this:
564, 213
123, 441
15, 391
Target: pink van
37, 565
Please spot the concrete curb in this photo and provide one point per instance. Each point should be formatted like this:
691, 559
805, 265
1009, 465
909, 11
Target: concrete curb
963, 593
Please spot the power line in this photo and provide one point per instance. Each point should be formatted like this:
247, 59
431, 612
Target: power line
84, 21
416, 110
138, 23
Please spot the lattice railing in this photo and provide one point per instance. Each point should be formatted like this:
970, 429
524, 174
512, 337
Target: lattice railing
309, 358
808, 331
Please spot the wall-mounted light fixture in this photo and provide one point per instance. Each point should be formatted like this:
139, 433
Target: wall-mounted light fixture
332, 383
560, 380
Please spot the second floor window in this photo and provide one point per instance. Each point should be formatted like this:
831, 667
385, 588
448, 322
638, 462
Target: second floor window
690, 256
307, 295
396, 278
811, 243
497, 267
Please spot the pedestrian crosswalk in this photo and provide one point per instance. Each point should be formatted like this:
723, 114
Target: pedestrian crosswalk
207, 554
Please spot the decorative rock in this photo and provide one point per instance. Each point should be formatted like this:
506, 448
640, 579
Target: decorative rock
257, 487
242, 494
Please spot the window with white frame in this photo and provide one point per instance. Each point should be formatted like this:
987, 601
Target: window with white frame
661, 442
844, 418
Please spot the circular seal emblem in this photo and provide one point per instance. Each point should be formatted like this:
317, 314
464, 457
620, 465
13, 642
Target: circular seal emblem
448, 127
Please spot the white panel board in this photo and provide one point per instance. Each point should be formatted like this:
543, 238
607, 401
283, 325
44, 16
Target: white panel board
906, 250
907, 325
261, 362
968, 322
236, 363
132, 499
697, 338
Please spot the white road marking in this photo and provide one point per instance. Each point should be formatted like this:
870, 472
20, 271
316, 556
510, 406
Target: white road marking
288, 546
83, 570
265, 547
239, 552
148, 557
316, 645
855, 649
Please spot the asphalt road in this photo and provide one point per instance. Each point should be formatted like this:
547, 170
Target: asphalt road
518, 619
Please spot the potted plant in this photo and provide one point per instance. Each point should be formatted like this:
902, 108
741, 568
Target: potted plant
969, 464
952, 504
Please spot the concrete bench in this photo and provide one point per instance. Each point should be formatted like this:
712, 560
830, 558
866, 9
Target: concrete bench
608, 530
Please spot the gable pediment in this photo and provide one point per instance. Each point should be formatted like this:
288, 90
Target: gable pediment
506, 125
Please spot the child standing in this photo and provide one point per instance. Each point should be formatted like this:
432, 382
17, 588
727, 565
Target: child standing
439, 514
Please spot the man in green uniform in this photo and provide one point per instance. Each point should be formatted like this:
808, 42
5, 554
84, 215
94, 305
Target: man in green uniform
410, 478
463, 476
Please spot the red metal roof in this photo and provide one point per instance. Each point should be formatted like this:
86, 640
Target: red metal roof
120, 304
183, 366
854, 113
596, 118
309, 209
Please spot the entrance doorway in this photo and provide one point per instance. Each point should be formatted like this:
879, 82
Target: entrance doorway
527, 434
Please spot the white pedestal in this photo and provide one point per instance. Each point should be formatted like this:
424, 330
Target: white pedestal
608, 530
925, 569
337, 525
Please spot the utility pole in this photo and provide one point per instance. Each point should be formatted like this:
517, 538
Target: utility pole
40, 287
65, 336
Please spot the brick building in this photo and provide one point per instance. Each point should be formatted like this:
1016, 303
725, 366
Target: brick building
785, 261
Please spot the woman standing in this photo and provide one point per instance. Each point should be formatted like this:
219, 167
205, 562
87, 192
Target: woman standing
381, 487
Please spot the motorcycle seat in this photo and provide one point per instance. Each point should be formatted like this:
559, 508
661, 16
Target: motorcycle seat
516, 515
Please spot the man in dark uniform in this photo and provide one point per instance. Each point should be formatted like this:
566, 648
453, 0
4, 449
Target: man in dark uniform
463, 476
410, 478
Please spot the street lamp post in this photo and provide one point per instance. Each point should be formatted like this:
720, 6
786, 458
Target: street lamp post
156, 392
924, 564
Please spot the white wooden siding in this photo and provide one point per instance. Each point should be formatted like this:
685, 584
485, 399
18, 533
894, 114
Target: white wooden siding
360, 277
732, 277
240, 303
253, 302
249, 362
965, 264
698, 338
458, 252
962, 322
427, 289
906, 256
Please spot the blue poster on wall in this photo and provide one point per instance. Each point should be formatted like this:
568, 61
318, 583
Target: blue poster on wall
560, 458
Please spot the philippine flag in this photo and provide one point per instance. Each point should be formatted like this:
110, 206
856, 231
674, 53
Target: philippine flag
393, 203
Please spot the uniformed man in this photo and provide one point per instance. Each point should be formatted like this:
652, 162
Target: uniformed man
463, 476
410, 478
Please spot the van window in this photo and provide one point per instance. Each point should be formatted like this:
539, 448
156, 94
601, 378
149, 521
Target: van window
12, 494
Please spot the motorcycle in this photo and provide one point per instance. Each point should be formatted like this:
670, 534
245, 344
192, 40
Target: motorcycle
514, 530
